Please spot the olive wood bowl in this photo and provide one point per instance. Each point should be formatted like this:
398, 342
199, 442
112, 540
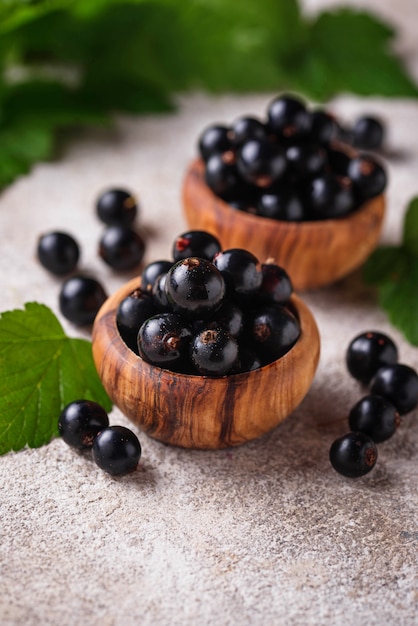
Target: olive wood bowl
199, 411
314, 254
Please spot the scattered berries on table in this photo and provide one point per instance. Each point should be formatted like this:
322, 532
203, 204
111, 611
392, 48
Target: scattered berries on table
121, 248
58, 252
368, 352
399, 384
353, 455
117, 207
374, 416
80, 299
80, 422
117, 450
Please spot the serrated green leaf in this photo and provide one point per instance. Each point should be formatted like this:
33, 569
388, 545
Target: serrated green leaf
410, 228
41, 370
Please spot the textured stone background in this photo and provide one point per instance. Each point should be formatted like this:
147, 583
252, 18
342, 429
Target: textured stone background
264, 534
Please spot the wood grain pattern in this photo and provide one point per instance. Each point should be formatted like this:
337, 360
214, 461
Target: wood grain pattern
314, 254
196, 411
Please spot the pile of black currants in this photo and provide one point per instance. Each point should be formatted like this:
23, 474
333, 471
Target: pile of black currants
84, 425
209, 311
121, 247
292, 166
372, 358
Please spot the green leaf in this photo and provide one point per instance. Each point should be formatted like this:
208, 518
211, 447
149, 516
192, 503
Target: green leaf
410, 229
41, 370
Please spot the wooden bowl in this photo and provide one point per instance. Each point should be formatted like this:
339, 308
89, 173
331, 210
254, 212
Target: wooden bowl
314, 254
198, 411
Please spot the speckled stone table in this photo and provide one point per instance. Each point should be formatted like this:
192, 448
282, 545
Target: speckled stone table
263, 534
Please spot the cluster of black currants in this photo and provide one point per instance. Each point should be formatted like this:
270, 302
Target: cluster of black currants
84, 424
290, 166
120, 246
372, 358
209, 312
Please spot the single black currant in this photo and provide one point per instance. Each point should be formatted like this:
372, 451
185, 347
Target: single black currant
214, 352
288, 117
151, 272
164, 339
368, 133
261, 162
80, 299
229, 316
246, 128
374, 416
368, 352
121, 248
58, 252
273, 331
281, 204
241, 271
117, 450
305, 161
329, 197
221, 175
196, 243
131, 314
80, 422
117, 207
215, 139
276, 286
322, 128
367, 175
353, 455
195, 287
399, 384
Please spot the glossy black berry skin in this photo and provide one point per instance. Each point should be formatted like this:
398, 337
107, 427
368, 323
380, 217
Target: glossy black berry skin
276, 286
229, 316
197, 243
374, 416
195, 287
121, 248
159, 293
117, 450
131, 313
221, 175
305, 161
281, 205
117, 207
399, 384
368, 133
80, 299
58, 252
288, 117
328, 198
246, 128
151, 272
322, 128
214, 352
368, 177
261, 163
353, 455
80, 422
241, 271
164, 339
272, 331
215, 139
368, 352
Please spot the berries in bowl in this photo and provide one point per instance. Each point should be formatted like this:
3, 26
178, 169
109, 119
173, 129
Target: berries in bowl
206, 350
287, 188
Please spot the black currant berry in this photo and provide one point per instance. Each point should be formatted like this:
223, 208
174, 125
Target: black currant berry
58, 252
229, 316
195, 287
305, 160
399, 384
246, 128
261, 163
80, 422
214, 352
117, 450
196, 243
121, 248
368, 133
164, 339
159, 294
368, 352
240, 269
374, 416
151, 272
353, 455
131, 314
368, 177
281, 205
215, 139
80, 299
322, 128
247, 361
221, 175
328, 198
276, 286
117, 207
288, 117
273, 331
